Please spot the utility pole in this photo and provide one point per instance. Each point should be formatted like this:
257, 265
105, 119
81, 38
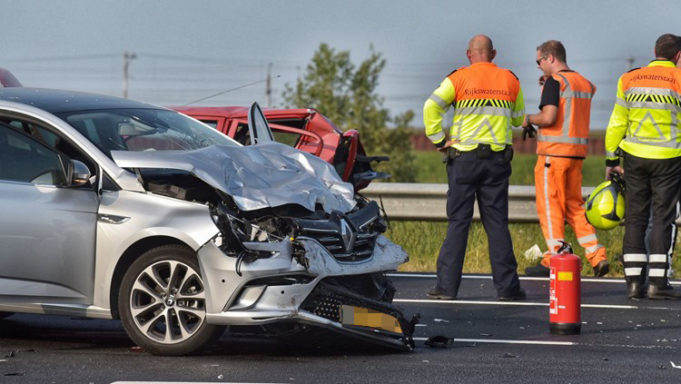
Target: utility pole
268, 86
630, 62
127, 58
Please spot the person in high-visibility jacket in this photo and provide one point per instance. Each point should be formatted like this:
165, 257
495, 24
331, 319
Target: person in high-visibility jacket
487, 102
561, 148
644, 130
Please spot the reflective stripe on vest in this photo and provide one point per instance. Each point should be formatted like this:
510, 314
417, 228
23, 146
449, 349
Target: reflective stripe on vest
438, 100
654, 99
562, 139
435, 138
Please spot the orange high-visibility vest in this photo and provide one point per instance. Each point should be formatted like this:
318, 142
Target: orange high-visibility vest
569, 135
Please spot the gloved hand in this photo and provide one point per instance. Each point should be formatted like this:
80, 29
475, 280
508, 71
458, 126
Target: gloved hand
530, 131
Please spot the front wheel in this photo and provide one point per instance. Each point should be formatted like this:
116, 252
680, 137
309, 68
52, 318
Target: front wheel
162, 302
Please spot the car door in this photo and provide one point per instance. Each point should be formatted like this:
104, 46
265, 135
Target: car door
47, 231
258, 128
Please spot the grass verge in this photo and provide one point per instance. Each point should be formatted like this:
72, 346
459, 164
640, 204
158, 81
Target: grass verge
422, 239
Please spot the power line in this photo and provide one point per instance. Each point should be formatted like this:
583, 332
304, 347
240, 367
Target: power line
228, 90
63, 58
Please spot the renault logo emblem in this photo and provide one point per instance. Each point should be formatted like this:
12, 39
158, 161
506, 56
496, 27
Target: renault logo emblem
348, 235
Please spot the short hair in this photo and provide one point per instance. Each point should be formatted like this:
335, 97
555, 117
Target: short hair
667, 46
554, 48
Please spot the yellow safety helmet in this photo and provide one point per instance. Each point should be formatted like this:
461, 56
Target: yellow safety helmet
605, 205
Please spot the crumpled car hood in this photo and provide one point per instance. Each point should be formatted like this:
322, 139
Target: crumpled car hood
261, 176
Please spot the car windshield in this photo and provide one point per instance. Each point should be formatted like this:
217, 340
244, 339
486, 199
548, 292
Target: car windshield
144, 130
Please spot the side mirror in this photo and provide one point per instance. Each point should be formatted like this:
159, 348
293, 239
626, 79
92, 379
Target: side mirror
78, 174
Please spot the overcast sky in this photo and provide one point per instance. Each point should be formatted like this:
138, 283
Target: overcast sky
186, 50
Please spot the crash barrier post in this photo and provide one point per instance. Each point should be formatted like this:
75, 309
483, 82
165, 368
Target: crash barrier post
565, 293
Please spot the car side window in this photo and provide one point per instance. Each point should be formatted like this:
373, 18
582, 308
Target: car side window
211, 123
51, 140
24, 159
285, 137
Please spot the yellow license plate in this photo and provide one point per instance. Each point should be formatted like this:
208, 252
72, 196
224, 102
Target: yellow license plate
365, 317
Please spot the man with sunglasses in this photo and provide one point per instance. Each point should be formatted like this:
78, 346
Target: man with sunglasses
563, 122
644, 130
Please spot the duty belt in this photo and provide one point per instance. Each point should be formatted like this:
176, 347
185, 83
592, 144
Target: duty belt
482, 151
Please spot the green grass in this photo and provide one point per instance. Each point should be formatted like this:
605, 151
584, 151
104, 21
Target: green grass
430, 169
422, 239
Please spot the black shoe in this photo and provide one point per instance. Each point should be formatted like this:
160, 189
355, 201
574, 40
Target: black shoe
635, 290
602, 268
436, 293
537, 270
517, 295
665, 292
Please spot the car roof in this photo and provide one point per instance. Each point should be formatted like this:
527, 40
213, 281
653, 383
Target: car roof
57, 101
242, 112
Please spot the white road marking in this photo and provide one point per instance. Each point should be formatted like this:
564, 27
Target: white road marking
502, 341
527, 278
186, 382
518, 303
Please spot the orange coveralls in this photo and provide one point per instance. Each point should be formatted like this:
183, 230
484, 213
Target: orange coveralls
562, 148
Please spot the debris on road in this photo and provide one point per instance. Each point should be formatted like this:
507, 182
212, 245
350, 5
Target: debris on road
533, 254
439, 341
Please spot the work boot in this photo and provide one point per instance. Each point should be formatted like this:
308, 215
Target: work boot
517, 295
665, 292
537, 270
602, 268
635, 290
438, 294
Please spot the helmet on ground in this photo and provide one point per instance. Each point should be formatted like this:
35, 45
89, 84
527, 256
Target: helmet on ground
605, 205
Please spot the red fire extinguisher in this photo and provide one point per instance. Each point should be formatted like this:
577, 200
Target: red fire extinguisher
565, 292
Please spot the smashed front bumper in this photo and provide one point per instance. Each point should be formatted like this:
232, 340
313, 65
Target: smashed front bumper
282, 289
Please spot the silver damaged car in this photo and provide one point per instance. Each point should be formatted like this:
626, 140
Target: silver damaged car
115, 209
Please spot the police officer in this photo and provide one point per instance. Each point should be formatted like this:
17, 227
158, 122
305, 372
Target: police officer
644, 131
561, 148
487, 101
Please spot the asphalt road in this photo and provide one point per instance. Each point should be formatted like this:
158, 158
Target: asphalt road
494, 342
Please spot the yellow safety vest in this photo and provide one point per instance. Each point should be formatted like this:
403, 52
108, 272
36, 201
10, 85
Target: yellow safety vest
645, 119
487, 101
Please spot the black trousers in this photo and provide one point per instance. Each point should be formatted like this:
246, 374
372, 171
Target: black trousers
652, 185
486, 180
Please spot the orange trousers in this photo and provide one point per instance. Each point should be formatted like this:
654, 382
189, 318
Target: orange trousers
558, 183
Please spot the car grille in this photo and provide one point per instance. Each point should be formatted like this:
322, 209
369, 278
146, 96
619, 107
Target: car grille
328, 307
362, 249
327, 300
347, 237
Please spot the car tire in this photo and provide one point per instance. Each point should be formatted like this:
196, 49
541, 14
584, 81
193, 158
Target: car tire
164, 286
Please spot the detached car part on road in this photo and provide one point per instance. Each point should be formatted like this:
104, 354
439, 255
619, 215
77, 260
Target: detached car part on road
117, 209
304, 129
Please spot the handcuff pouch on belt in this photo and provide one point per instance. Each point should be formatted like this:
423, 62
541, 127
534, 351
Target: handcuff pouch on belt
450, 154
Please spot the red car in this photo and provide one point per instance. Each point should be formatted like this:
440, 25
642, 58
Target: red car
304, 129
7, 79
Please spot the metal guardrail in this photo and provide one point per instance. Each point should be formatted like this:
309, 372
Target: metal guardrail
409, 201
